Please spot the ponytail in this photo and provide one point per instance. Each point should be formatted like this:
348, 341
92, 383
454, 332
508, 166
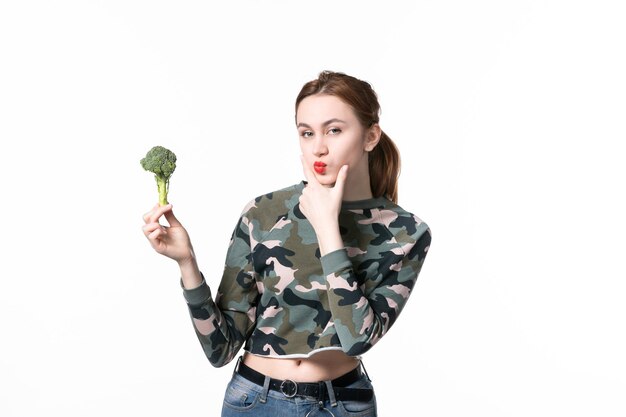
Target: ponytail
384, 167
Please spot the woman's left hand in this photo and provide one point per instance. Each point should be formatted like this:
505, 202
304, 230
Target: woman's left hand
321, 205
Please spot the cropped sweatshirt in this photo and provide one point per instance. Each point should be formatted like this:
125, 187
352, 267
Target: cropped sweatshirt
279, 298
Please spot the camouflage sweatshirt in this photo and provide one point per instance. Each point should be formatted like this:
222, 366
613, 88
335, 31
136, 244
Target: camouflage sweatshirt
283, 300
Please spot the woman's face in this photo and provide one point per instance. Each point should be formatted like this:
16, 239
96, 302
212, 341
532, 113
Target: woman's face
331, 136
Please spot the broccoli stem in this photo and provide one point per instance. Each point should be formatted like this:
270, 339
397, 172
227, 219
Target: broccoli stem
163, 186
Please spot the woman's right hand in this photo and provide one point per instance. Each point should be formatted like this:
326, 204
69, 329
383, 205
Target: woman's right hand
171, 241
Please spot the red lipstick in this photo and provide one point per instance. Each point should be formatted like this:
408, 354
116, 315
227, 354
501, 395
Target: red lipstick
319, 167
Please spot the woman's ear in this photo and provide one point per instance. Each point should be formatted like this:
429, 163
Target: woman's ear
373, 137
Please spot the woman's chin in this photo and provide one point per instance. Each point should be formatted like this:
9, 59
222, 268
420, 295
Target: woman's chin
326, 180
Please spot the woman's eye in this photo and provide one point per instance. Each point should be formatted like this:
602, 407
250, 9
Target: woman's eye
306, 134
334, 131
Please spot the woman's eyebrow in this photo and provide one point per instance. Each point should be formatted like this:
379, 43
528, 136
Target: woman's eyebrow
326, 123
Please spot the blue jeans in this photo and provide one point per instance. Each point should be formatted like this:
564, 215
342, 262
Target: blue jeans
245, 398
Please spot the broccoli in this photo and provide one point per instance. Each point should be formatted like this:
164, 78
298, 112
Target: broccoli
162, 162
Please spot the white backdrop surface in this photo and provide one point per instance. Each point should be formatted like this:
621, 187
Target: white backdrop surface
510, 119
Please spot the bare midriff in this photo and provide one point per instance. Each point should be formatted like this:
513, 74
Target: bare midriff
324, 365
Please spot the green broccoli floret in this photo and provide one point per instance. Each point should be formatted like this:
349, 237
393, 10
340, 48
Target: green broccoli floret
162, 162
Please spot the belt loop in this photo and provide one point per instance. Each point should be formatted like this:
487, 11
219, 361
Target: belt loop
237, 365
266, 388
331, 393
321, 395
365, 370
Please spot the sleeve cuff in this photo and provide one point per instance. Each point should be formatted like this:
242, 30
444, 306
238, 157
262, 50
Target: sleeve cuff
198, 295
335, 261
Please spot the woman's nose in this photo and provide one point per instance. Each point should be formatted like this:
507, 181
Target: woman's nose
319, 147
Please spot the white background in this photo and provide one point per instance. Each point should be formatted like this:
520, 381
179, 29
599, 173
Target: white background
510, 119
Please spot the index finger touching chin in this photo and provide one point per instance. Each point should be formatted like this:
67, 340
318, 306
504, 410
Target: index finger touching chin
308, 174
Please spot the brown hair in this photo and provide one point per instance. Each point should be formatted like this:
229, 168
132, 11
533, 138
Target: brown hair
384, 159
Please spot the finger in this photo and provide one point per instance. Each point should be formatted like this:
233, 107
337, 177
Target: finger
151, 227
146, 217
171, 219
341, 180
158, 212
154, 235
308, 173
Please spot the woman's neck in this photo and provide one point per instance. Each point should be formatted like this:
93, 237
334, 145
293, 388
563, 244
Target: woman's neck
357, 185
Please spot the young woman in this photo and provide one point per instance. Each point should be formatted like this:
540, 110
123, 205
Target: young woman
316, 273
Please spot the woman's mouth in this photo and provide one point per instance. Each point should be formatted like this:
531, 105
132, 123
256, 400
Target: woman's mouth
319, 167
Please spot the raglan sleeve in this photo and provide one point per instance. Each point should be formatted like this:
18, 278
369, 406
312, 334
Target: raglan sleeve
361, 319
223, 324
